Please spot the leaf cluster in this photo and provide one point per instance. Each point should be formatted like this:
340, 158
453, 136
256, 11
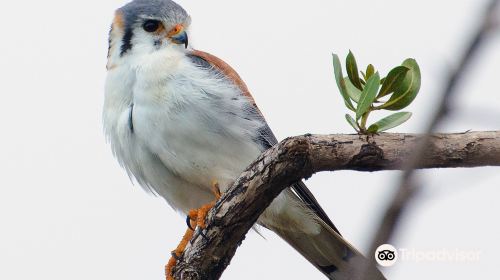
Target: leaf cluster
365, 92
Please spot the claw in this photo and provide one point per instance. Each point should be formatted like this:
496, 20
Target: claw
198, 232
202, 233
194, 215
188, 222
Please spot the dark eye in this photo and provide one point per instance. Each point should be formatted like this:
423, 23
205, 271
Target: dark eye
151, 25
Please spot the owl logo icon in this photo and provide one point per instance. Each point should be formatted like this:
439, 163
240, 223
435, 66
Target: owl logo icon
386, 255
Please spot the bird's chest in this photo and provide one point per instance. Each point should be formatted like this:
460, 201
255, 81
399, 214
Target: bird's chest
168, 131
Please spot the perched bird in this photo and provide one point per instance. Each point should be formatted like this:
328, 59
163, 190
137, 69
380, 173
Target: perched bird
179, 119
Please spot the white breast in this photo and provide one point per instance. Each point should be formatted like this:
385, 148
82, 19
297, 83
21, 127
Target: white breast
189, 127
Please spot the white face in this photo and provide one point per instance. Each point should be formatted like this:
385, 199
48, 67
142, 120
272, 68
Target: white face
152, 34
145, 36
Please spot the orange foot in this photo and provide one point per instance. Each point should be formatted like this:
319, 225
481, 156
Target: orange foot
195, 215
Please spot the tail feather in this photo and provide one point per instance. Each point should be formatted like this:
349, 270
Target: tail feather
297, 217
330, 253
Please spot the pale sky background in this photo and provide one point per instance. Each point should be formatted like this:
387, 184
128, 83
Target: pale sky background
68, 211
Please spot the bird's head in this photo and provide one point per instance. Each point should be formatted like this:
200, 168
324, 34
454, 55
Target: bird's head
146, 26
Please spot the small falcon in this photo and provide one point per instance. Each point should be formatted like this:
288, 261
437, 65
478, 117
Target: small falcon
181, 122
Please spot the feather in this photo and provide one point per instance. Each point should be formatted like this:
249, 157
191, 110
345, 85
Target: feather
302, 222
329, 252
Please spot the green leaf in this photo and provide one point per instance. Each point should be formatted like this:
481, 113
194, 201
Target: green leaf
368, 95
393, 80
353, 92
340, 82
370, 70
352, 122
389, 122
352, 70
407, 90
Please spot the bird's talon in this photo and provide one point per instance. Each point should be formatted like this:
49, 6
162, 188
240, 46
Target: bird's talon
204, 236
194, 216
188, 222
200, 231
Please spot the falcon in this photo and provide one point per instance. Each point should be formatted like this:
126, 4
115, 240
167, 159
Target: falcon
183, 124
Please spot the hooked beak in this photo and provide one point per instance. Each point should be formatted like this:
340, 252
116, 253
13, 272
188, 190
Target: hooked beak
178, 35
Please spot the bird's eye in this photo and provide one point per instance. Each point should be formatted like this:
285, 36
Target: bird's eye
151, 25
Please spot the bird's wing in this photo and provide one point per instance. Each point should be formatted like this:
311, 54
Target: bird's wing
327, 249
267, 139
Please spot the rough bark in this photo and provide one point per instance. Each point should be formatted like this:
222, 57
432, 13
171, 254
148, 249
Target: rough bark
299, 157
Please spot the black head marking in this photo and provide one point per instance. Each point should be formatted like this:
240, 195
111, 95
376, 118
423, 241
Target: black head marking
127, 40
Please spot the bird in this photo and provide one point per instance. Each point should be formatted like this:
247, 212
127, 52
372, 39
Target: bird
182, 122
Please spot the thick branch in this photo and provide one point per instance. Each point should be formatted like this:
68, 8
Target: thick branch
300, 157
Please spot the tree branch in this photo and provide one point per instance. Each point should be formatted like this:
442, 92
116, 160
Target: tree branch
299, 157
